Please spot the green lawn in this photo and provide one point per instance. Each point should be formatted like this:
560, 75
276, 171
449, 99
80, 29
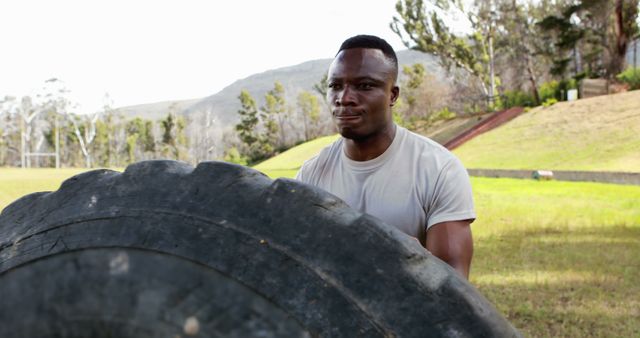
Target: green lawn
288, 163
17, 182
598, 134
557, 258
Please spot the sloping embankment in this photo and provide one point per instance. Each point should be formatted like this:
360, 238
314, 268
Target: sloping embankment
595, 134
493, 121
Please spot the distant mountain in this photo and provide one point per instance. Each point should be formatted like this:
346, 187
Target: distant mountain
158, 110
223, 106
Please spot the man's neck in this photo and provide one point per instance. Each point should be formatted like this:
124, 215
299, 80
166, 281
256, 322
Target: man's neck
370, 147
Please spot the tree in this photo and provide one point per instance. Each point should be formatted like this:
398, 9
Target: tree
625, 30
274, 109
414, 78
310, 111
205, 137
34, 123
66, 138
520, 42
592, 36
423, 25
103, 147
28, 112
135, 129
173, 138
569, 35
58, 104
257, 133
423, 95
248, 119
85, 127
148, 140
85, 130
10, 135
232, 155
140, 142
322, 87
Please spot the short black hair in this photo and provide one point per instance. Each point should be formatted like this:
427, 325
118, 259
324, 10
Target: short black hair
370, 41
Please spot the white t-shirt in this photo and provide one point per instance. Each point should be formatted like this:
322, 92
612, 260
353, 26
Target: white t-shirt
413, 185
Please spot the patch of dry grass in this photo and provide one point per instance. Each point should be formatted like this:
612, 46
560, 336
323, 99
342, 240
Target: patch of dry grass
598, 134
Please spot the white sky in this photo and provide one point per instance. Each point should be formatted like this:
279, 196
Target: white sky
149, 51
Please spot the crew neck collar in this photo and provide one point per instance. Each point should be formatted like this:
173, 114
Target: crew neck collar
375, 162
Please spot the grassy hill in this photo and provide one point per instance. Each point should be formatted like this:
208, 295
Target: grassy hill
598, 134
443, 131
288, 163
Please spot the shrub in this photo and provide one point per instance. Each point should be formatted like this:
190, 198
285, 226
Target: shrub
556, 89
630, 76
517, 98
232, 155
397, 113
443, 114
549, 102
548, 90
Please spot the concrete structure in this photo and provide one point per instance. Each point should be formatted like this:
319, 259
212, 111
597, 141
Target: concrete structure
564, 175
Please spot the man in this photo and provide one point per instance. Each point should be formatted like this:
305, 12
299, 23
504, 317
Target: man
385, 170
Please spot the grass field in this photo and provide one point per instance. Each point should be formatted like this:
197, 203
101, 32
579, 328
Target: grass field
288, 163
598, 134
17, 182
559, 259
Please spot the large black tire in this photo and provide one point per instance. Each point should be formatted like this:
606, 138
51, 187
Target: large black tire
165, 250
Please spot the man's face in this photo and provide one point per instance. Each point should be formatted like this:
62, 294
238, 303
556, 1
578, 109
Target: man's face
361, 92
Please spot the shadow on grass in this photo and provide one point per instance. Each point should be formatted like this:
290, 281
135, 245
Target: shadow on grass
574, 283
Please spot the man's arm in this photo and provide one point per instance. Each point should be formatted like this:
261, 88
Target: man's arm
452, 243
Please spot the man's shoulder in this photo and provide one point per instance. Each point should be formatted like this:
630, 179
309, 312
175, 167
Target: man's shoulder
315, 165
426, 147
324, 154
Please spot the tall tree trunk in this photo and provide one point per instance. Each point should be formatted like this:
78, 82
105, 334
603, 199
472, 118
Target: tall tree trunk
533, 79
622, 40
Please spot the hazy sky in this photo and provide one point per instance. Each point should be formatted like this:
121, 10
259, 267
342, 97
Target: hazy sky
148, 51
